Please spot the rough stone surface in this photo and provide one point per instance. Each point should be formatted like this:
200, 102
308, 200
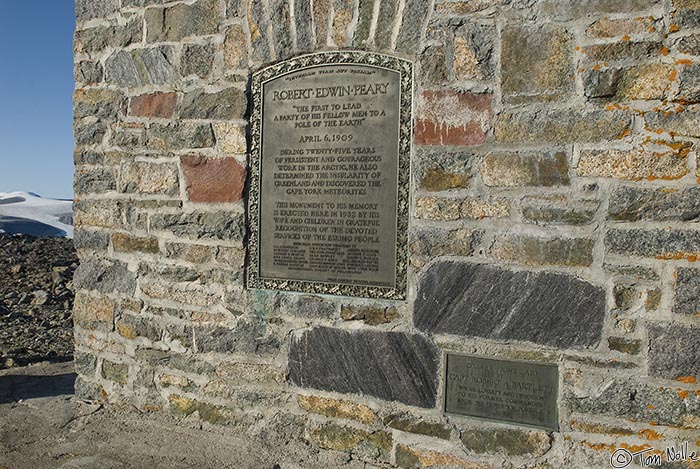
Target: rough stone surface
197, 60
230, 103
657, 243
687, 286
641, 82
176, 22
531, 250
560, 126
447, 117
391, 366
685, 123
104, 276
506, 441
180, 136
544, 72
674, 351
201, 225
629, 203
564, 10
139, 67
473, 46
149, 178
213, 180
641, 163
476, 300
90, 9
525, 169
153, 105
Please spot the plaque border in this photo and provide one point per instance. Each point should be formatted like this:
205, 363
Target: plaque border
405, 69
445, 354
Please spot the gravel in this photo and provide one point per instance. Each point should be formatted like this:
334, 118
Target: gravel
36, 299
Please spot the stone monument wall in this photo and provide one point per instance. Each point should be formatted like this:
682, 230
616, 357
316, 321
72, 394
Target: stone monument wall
554, 212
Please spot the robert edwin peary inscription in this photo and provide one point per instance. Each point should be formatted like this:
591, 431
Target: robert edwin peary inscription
330, 164
507, 390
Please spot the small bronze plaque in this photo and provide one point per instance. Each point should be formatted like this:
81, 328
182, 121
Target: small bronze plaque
505, 390
330, 165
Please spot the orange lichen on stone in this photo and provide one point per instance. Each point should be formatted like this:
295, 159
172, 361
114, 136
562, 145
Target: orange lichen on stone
650, 434
678, 256
683, 394
674, 28
626, 38
687, 379
600, 446
650, 406
664, 50
684, 62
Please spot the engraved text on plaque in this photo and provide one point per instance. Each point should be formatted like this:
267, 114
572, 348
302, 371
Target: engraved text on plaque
331, 142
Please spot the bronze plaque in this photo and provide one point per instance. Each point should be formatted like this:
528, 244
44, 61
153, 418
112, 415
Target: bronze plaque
504, 390
331, 136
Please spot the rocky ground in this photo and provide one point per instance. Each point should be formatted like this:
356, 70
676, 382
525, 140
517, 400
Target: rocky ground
36, 299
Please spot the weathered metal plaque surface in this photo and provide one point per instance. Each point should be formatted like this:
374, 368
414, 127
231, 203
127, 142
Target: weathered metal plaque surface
328, 206
505, 390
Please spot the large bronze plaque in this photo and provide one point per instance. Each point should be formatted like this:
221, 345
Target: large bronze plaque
505, 390
331, 136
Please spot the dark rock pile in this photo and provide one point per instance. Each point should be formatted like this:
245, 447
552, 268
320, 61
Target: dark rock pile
36, 299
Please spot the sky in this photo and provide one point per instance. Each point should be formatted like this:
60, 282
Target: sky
36, 87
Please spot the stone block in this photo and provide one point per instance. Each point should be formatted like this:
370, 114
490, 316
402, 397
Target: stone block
640, 82
411, 27
153, 105
122, 242
197, 60
470, 208
525, 169
685, 123
621, 51
245, 337
97, 213
105, 276
201, 225
117, 372
337, 408
561, 126
433, 242
371, 315
559, 214
117, 35
664, 160
235, 48
473, 47
433, 66
674, 351
666, 244
687, 291
639, 204
447, 117
366, 444
409, 424
614, 28
440, 170
508, 442
475, 300
86, 10
88, 239
87, 72
173, 23
564, 10
386, 365
689, 44
306, 306
227, 104
213, 180
98, 103
631, 399
149, 178
95, 313
532, 250
689, 87
365, 12
180, 136
536, 63
409, 457
623, 345
96, 180
141, 67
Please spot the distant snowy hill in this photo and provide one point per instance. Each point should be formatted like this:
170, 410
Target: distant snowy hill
29, 213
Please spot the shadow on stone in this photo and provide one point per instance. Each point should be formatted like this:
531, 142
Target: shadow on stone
14, 388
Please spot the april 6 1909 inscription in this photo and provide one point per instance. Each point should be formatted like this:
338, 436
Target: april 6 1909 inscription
331, 143
506, 390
